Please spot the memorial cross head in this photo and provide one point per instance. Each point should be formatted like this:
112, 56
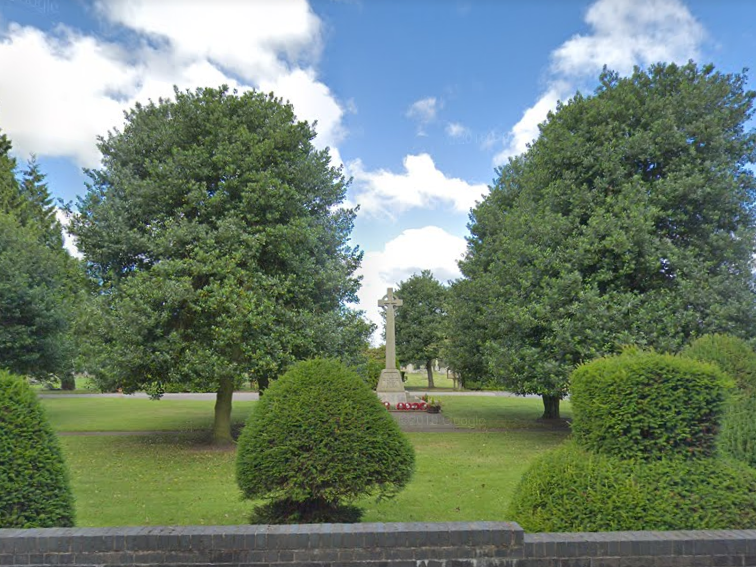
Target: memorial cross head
389, 302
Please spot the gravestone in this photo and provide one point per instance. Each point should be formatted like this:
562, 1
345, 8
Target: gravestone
390, 386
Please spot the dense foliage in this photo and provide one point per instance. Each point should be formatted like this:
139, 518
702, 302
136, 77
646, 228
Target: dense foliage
732, 354
373, 362
421, 321
646, 406
737, 439
317, 440
34, 488
215, 232
643, 454
38, 278
628, 221
574, 490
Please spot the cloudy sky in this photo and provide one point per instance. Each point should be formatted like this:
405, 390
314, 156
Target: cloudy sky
420, 100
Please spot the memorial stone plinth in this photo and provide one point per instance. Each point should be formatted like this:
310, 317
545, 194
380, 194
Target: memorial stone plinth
390, 386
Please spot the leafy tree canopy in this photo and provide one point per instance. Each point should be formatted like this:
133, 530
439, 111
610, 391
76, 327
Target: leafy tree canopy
216, 233
420, 321
629, 221
38, 278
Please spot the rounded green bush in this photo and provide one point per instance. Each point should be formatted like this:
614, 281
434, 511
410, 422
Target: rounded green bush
320, 438
34, 489
733, 355
644, 405
571, 489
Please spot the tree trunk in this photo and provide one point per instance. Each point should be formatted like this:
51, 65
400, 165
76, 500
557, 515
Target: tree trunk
67, 382
550, 407
429, 368
262, 384
222, 422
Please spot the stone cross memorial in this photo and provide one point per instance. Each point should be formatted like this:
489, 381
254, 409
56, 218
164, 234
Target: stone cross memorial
390, 386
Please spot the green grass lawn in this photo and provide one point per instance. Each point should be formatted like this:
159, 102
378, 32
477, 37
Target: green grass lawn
174, 480
499, 412
419, 381
70, 413
169, 479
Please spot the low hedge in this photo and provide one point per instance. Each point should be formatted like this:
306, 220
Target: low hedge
571, 489
318, 439
733, 355
34, 487
644, 405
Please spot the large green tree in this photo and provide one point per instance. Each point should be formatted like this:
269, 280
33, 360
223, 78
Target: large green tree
630, 220
37, 277
216, 233
41, 209
420, 322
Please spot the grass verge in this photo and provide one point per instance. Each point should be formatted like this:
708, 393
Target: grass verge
69, 413
177, 480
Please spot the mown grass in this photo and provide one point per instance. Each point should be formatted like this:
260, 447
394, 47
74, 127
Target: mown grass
419, 381
500, 412
174, 479
70, 413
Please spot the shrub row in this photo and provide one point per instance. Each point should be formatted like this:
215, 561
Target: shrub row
571, 489
647, 453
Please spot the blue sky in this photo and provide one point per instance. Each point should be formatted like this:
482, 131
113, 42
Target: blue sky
419, 100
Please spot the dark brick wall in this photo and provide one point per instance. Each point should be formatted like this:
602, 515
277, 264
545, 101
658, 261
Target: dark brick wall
477, 544
396, 545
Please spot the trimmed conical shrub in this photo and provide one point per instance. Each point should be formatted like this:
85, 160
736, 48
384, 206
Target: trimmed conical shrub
34, 488
319, 439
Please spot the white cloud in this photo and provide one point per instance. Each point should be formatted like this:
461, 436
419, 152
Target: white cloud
526, 130
624, 33
628, 33
424, 111
457, 130
60, 108
82, 83
69, 242
429, 248
252, 39
421, 185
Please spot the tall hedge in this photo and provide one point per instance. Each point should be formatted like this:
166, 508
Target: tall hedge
733, 355
571, 489
318, 439
645, 405
643, 455
34, 487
